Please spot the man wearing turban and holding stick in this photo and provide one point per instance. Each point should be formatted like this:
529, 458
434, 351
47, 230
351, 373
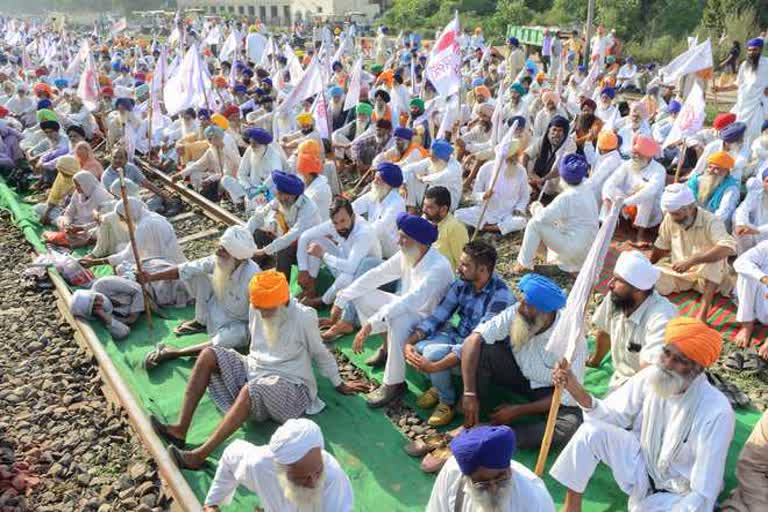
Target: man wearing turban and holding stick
664, 434
274, 381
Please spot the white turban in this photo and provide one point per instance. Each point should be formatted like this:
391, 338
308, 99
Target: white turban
131, 188
293, 439
134, 204
81, 303
238, 242
636, 269
676, 196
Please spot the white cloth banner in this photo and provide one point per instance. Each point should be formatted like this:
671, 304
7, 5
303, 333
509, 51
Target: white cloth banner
353, 93
310, 84
690, 119
320, 112
443, 68
88, 86
119, 25
229, 48
698, 58
255, 44
187, 87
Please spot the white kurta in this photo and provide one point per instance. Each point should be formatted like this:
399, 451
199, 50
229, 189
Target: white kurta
752, 212
342, 255
302, 216
155, 238
751, 267
220, 162
507, 206
528, 491
567, 227
253, 467
255, 168
422, 287
448, 177
382, 215
604, 167
642, 189
611, 434
751, 105
320, 193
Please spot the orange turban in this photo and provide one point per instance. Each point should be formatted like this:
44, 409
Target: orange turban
721, 159
310, 146
220, 82
695, 339
387, 76
268, 289
307, 163
42, 88
607, 141
483, 91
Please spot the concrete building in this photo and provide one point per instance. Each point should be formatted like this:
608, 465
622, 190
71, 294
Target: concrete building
284, 12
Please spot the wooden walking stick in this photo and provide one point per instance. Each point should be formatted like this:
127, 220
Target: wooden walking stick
135, 250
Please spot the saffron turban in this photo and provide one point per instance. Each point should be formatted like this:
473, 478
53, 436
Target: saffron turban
417, 228
541, 292
305, 118
483, 91
294, 439
213, 131
364, 108
733, 132
756, 42
676, 196
238, 242
484, 447
403, 133
442, 149
721, 159
645, 146
42, 88
723, 120
695, 339
310, 147
541, 76
268, 289
572, 168
288, 183
674, 107
220, 121
219, 81
260, 135
608, 91
308, 161
636, 269
390, 173
607, 140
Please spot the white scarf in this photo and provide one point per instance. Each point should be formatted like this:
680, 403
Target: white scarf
667, 423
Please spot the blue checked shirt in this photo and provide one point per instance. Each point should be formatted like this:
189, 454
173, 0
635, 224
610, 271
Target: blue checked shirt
473, 308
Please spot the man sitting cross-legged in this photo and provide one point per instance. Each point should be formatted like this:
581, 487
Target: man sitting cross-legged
752, 292
664, 434
476, 296
274, 381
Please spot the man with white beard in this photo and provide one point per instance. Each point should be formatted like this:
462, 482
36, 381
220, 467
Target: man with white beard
425, 276
219, 285
636, 125
381, 205
482, 477
664, 434
567, 226
278, 224
640, 182
441, 168
275, 381
731, 140
344, 137
509, 350
293, 473
716, 190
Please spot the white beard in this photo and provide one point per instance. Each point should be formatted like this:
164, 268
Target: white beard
637, 165
221, 278
666, 384
489, 501
707, 184
521, 331
411, 255
380, 191
271, 327
305, 499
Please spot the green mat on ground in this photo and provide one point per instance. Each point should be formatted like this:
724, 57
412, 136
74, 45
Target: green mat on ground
366, 444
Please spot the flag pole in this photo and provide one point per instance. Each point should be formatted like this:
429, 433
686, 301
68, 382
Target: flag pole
680, 161
549, 430
487, 201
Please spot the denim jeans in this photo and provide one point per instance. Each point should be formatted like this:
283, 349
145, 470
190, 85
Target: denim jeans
349, 313
434, 349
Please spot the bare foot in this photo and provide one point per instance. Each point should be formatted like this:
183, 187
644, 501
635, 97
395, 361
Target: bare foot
337, 330
763, 351
743, 337
517, 268
703, 314
192, 459
324, 323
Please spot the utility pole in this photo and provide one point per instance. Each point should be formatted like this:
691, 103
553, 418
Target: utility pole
590, 18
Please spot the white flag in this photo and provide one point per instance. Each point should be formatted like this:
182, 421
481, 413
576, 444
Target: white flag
119, 25
443, 68
187, 87
698, 58
310, 84
294, 66
690, 119
229, 48
255, 44
353, 93
214, 36
88, 86
322, 120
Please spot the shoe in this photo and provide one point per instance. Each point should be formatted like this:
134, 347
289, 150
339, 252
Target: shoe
428, 399
434, 461
378, 359
441, 416
421, 447
386, 394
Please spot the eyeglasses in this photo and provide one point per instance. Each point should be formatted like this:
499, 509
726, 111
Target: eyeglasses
496, 482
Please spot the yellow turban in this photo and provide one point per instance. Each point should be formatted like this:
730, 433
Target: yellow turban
305, 118
607, 141
721, 159
220, 121
695, 339
268, 290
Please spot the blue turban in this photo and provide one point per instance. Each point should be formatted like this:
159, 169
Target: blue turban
757, 42
513, 41
390, 173
560, 122
288, 183
266, 80
46, 103
203, 113
259, 135
336, 91
573, 168
190, 112
765, 126
442, 149
213, 130
674, 107
764, 173
418, 228
630, 60
61, 83
486, 446
608, 91
403, 133
128, 103
541, 292
248, 72
733, 132
477, 82
582, 68
116, 65
519, 119
124, 69
240, 89
239, 66
336, 64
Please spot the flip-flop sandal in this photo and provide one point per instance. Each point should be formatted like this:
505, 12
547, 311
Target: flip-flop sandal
741, 398
734, 362
163, 433
435, 460
152, 359
721, 386
753, 363
189, 327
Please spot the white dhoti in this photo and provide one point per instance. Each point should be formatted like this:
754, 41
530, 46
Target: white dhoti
619, 449
570, 249
223, 330
506, 223
398, 329
753, 304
